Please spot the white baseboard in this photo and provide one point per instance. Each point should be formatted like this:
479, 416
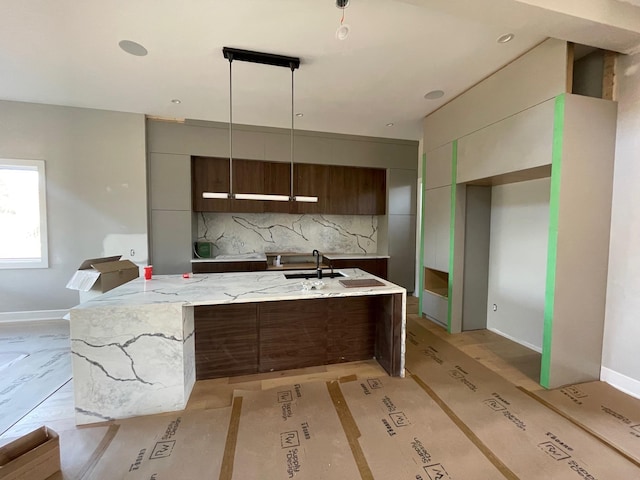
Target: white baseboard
517, 340
33, 316
625, 384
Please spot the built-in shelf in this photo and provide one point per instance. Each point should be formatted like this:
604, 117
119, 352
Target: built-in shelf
435, 301
436, 282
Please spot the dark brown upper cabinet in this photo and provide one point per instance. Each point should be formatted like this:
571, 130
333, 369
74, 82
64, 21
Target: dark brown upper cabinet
357, 191
341, 190
277, 181
310, 180
209, 174
248, 177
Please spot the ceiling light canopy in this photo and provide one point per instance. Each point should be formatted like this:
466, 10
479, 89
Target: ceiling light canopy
133, 48
177, 101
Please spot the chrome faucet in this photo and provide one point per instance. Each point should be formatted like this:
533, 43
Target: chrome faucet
316, 254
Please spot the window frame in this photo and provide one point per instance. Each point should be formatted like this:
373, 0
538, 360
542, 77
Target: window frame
43, 261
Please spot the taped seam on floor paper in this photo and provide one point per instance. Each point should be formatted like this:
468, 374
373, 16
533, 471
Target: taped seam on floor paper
350, 428
591, 432
467, 431
97, 453
226, 469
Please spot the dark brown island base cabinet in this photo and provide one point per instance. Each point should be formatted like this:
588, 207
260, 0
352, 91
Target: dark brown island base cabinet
241, 339
223, 267
340, 190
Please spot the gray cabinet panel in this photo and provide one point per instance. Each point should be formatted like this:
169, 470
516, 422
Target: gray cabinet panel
171, 241
438, 169
402, 250
277, 147
402, 185
437, 221
519, 142
170, 137
308, 149
248, 145
170, 181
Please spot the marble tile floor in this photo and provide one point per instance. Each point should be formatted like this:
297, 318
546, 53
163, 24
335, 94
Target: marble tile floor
35, 361
516, 363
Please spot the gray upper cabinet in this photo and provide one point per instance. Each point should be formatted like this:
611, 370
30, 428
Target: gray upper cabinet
437, 222
437, 171
170, 179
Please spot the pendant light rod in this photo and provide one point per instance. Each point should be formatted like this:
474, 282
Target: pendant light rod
230, 57
291, 179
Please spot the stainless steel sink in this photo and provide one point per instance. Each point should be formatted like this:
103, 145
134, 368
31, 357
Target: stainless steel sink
313, 274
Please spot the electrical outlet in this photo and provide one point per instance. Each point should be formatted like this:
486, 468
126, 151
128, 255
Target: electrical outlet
495, 307
132, 252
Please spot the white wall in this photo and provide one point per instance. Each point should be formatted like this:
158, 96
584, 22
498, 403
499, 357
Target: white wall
518, 260
96, 194
621, 353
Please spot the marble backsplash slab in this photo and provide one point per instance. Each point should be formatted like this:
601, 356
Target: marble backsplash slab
235, 233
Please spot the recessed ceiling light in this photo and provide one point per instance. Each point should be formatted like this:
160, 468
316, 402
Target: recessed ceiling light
507, 37
389, 124
176, 101
133, 48
299, 114
434, 94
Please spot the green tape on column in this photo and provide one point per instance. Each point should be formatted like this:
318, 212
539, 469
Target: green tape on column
421, 266
452, 227
552, 252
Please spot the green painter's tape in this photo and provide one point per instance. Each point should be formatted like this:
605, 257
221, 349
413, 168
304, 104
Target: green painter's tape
552, 249
452, 227
421, 269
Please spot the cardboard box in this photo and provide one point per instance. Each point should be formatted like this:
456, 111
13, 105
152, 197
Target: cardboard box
35, 456
96, 276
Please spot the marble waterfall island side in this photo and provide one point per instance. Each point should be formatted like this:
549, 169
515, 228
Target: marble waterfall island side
133, 348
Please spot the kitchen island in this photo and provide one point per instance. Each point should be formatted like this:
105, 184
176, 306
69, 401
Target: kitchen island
139, 348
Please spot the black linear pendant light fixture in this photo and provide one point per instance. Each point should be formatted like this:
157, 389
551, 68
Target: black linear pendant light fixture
293, 63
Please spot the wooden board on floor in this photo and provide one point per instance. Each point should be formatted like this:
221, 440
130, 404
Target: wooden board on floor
526, 436
602, 410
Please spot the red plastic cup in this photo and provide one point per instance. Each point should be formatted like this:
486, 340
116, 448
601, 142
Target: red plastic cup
148, 271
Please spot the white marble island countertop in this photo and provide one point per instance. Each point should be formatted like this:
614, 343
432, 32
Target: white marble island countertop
133, 349
234, 287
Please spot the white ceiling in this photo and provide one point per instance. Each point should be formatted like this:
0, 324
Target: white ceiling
66, 52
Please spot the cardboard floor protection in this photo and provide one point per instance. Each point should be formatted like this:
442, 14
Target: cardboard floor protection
183, 445
290, 432
406, 435
530, 439
602, 410
379, 428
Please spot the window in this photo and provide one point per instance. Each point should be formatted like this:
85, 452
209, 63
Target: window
23, 214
